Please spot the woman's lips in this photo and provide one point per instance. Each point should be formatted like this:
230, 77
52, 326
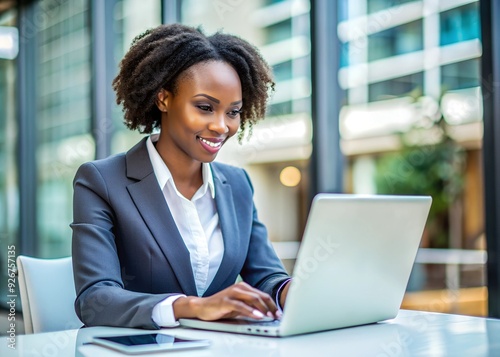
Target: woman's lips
212, 145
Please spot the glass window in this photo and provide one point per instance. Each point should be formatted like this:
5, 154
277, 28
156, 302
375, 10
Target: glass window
280, 109
194, 14
344, 54
131, 18
397, 87
461, 75
63, 120
282, 71
367, 119
9, 188
302, 67
302, 105
279, 32
395, 41
270, 2
460, 24
378, 5
343, 11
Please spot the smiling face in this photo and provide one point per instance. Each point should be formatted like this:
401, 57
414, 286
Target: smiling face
202, 114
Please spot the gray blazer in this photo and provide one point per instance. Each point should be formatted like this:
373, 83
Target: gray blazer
128, 254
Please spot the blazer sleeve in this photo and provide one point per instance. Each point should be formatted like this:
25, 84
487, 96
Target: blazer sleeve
101, 297
262, 268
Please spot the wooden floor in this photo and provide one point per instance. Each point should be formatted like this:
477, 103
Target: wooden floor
466, 301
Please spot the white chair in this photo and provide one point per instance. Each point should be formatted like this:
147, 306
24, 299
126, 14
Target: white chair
47, 293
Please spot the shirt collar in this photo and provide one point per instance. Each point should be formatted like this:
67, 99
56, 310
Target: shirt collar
163, 173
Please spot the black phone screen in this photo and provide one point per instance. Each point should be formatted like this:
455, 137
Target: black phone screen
147, 339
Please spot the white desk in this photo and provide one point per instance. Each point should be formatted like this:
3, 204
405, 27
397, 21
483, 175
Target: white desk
412, 333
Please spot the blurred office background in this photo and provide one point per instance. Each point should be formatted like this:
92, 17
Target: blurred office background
405, 96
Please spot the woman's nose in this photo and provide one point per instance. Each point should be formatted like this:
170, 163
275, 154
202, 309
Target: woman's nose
218, 124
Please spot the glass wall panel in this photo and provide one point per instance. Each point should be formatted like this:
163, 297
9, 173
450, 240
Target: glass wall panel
460, 24
280, 108
460, 75
380, 5
396, 41
131, 18
9, 188
279, 31
63, 117
411, 124
283, 71
396, 87
344, 55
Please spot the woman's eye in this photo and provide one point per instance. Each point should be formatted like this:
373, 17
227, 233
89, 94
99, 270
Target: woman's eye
234, 112
205, 108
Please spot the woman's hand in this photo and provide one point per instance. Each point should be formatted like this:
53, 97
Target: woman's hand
237, 300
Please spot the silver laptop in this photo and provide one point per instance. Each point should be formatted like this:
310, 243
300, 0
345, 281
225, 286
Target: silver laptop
352, 268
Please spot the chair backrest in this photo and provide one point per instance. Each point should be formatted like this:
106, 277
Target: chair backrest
47, 292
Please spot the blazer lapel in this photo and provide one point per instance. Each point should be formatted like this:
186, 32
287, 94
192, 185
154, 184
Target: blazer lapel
230, 232
149, 200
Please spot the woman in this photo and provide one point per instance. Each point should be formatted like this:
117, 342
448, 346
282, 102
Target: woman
161, 232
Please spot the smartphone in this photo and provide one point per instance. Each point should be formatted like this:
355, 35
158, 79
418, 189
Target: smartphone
152, 342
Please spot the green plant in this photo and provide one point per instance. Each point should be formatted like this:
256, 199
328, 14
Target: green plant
429, 163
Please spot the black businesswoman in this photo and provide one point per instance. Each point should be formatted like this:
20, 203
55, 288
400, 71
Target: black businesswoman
162, 232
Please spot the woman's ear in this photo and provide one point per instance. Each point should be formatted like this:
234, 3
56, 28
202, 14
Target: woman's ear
162, 100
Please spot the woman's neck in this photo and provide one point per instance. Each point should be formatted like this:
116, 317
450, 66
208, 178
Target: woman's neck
186, 172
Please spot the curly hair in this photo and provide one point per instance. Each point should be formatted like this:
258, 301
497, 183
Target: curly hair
159, 56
